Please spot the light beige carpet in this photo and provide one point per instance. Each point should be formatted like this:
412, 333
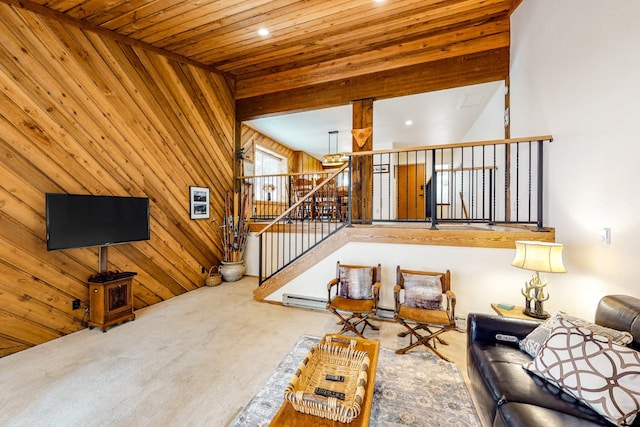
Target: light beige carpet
194, 360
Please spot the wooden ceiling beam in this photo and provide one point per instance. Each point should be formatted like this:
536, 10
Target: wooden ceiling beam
320, 45
490, 36
483, 67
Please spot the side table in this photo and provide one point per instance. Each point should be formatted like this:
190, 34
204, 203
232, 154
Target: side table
516, 312
110, 299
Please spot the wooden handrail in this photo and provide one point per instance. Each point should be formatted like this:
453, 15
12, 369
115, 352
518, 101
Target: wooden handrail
477, 168
455, 145
299, 202
323, 172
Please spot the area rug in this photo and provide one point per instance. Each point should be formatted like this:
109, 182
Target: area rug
415, 389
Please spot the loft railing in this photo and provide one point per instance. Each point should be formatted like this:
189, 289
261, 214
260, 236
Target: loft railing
492, 182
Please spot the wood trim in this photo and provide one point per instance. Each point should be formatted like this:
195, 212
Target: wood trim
514, 6
476, 238
464, 41
484, 67
457, 145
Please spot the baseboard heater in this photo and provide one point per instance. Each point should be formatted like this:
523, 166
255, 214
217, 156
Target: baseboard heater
385, 313
317, 303
302, 301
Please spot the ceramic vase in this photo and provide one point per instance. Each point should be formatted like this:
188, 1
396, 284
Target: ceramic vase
232, 271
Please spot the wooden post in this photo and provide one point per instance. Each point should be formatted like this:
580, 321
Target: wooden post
362, 173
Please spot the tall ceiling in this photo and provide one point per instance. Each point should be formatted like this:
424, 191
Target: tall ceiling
318, 53
310, 42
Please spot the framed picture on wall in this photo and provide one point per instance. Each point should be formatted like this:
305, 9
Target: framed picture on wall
199, 201
381, 168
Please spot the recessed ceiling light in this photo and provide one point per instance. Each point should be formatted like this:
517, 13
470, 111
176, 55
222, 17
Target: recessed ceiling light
263, 32
408, 122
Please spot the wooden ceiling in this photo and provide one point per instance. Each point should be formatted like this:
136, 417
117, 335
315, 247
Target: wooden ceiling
333, 49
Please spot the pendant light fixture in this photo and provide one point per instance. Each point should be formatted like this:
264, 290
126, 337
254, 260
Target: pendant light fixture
335, 159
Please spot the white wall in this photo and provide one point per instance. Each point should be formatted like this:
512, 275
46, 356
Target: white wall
478, 276
490, 124
574, 74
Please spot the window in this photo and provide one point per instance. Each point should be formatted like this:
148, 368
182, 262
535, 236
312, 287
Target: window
268, 164
442, 179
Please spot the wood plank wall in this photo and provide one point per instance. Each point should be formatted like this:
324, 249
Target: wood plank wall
249, 134
305, 163
299, 161
82, 113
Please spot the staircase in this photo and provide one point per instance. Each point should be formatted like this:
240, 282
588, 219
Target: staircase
318, 214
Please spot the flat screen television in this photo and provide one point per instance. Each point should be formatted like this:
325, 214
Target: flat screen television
82, 220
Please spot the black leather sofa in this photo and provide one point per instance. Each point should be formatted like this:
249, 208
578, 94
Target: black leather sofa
506, 395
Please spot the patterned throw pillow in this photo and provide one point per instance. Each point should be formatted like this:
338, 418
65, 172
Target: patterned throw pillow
603, 375
532, 343
356, 283
422, 291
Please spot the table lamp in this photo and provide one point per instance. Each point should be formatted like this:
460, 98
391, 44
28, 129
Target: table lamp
537, 257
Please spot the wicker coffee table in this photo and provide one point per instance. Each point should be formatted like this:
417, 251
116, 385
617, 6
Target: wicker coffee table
289, 417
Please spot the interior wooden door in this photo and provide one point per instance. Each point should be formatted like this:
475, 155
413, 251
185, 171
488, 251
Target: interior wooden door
410, 191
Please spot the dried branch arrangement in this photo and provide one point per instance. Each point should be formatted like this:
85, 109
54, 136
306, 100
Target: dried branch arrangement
235, 229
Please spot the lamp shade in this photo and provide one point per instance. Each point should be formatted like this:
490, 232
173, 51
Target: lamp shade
539, 256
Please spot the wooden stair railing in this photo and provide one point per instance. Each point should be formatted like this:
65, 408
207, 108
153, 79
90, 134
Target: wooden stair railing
290, 236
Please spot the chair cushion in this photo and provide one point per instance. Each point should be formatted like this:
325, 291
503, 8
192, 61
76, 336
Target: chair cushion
422, 291
356, 282
352, 305
600, 373
533, 342
420, 315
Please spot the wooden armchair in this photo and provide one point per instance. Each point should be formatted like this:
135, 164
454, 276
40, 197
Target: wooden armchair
355, 290
424, 299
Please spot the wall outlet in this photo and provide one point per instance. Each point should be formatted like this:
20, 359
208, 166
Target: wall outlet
75, 304
605, 236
